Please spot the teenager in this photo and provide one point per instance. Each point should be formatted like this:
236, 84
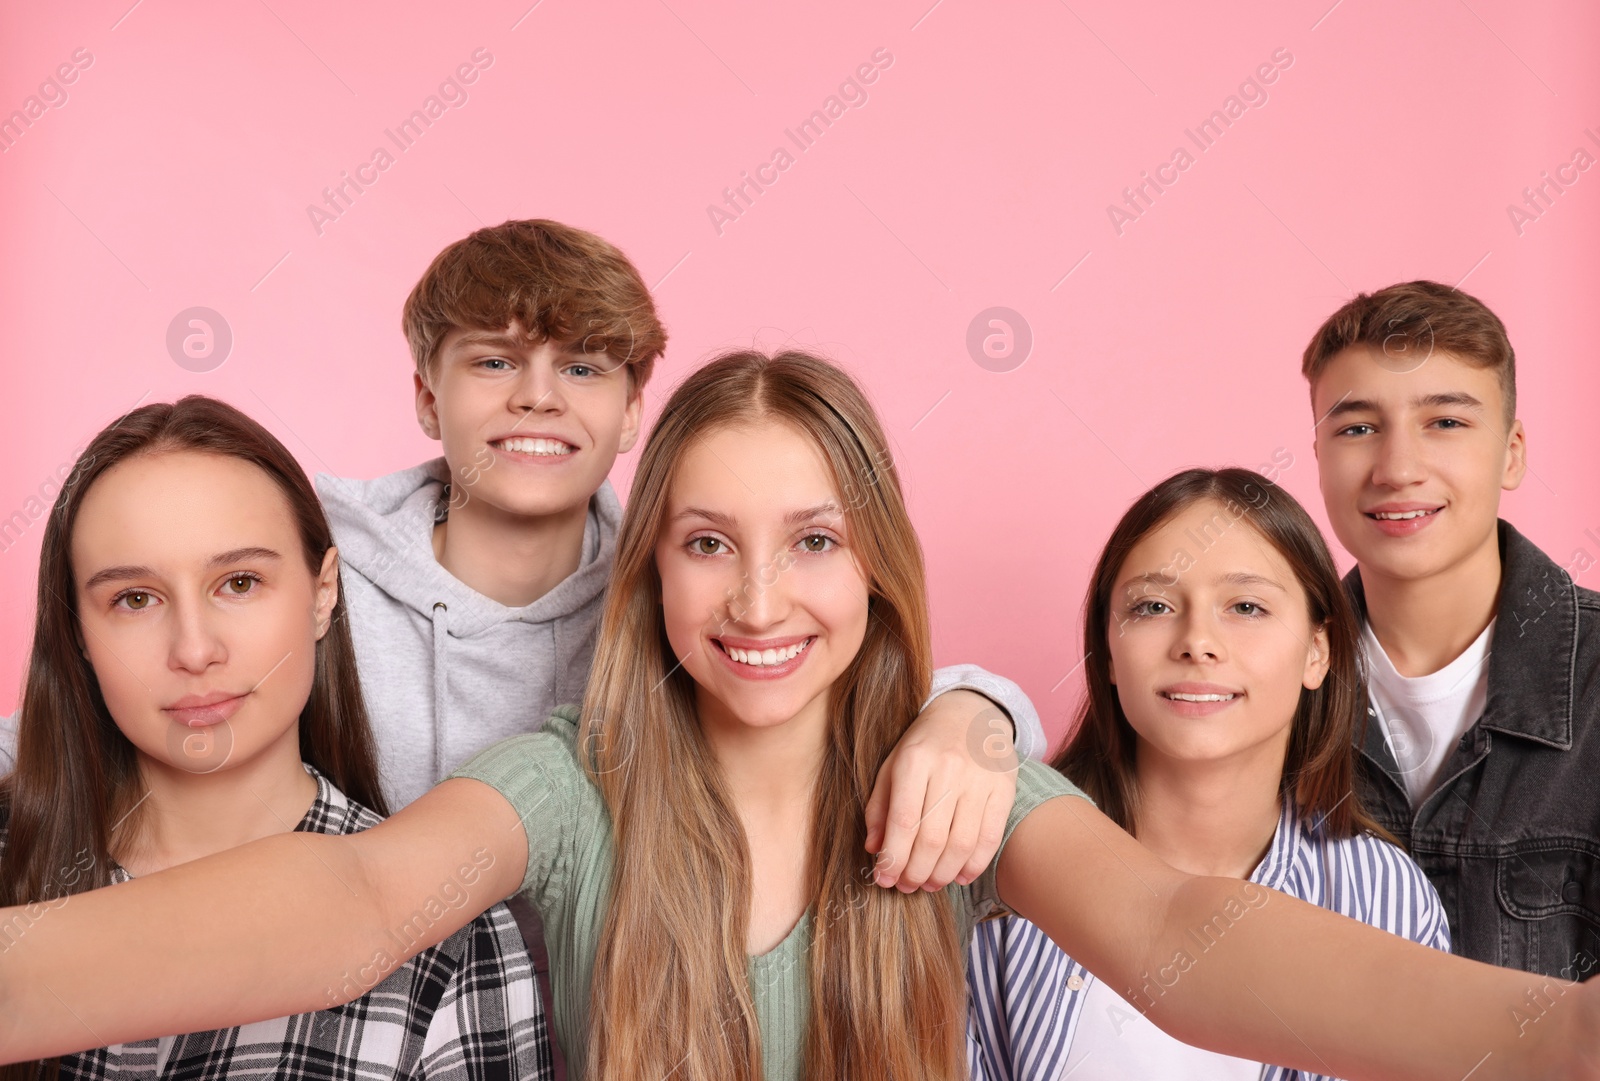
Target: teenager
1482, 653
1223, 691
192, 687
696, 842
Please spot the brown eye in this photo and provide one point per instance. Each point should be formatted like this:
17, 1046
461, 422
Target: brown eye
137, 600
240, 583
706, 546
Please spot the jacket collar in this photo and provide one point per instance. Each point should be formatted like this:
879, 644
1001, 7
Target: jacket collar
1533, 653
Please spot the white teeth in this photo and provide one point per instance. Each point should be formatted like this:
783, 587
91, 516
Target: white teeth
1400, 516
759, 658
1176, 697
524, 445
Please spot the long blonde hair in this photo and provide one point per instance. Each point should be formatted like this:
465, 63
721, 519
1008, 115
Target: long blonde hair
671, 994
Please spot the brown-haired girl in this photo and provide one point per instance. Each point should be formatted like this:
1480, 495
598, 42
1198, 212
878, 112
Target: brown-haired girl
1223, 696
702, 876
192, 687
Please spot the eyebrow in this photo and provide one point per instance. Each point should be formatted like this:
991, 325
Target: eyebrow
494, 338
222, 559
1426, 401
1237, 578
794, 517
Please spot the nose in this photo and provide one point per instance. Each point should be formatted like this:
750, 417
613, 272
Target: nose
1399, 461
196, 645
759, 598
537, 390
1198, 640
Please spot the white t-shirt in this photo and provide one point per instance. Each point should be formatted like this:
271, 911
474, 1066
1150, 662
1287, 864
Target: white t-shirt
1423, 718
1115, 1042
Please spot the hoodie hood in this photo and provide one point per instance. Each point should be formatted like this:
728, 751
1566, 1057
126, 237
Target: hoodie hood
384, 529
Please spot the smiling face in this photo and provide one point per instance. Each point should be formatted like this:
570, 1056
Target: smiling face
1210, 648
197, 610
529, 429
763, 600
1412, 459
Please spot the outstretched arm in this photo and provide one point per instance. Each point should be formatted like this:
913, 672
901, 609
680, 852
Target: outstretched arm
1235, 968
285, 925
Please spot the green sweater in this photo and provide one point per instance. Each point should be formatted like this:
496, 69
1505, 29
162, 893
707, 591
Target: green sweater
569, 880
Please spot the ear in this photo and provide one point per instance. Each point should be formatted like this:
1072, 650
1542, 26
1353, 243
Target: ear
427, 406
327, 591
631, 414
1317, 660
1516, 457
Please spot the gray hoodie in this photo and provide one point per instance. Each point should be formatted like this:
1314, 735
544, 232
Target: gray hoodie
445, 670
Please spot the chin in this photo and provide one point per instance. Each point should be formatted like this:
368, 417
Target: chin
759, 711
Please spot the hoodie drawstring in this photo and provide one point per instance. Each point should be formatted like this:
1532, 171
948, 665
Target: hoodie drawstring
441, 634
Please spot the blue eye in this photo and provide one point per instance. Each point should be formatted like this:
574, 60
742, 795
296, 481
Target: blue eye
1352, 429
582, 371
487, 361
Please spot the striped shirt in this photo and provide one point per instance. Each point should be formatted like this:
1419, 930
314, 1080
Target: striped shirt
464, 1010
1026, 994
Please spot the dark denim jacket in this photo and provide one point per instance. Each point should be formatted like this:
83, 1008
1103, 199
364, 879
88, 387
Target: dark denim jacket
1511, 837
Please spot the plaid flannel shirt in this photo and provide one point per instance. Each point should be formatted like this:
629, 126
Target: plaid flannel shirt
464, 1010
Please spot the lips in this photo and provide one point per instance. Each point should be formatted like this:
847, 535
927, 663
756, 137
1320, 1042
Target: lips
544, 448
764, 658
1402, 519
202, 711
1199, 699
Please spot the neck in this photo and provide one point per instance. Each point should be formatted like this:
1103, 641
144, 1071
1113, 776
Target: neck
512, 559
1425, 623
770, 770
1210, 818
185, 816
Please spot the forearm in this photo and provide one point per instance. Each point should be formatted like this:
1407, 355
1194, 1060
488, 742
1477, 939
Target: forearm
197, 947
1288, 982
1236, 968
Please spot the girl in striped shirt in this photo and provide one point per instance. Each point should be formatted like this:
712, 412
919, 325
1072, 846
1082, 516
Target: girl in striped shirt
1223, 695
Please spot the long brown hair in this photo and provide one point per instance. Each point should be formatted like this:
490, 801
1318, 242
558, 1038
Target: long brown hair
671, 991
1319, 768
76, 774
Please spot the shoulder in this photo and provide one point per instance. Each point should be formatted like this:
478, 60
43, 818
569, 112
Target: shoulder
334, 812
531, 768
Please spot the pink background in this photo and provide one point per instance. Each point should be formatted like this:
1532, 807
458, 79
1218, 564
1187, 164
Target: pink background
178, 171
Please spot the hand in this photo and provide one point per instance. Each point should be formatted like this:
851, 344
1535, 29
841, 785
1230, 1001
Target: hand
938, 810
